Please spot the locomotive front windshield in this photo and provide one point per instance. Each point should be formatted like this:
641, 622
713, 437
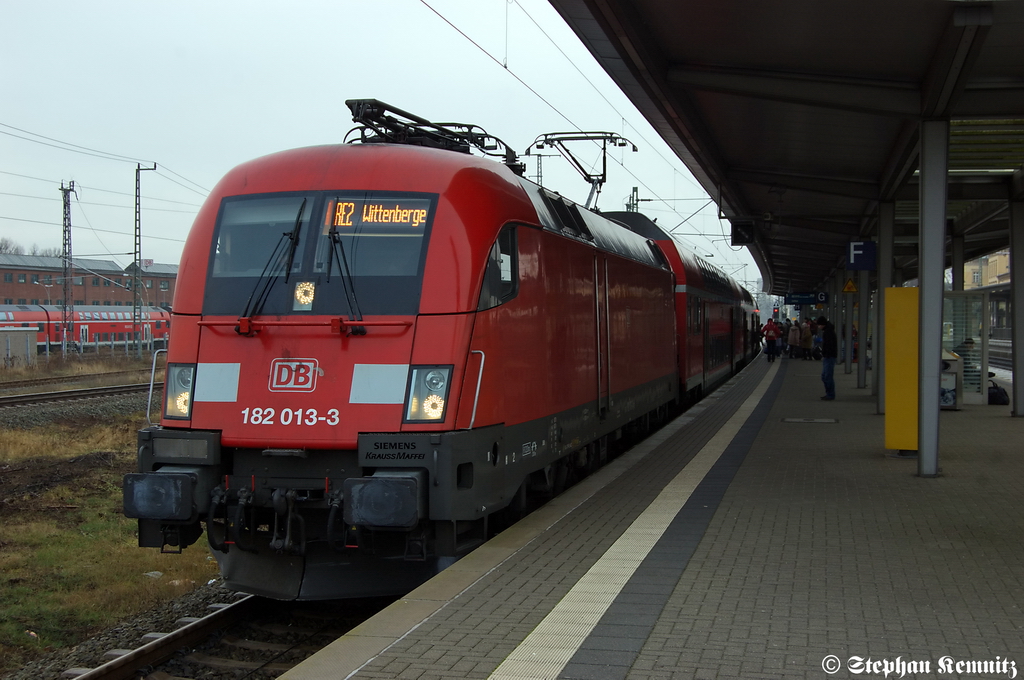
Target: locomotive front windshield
319, 253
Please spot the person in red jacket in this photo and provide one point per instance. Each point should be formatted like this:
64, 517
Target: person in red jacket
771, 334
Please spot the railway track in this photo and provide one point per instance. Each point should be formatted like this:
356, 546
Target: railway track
1001, 362
159, 647
1000, 355
70, 379
252, 637
72, 395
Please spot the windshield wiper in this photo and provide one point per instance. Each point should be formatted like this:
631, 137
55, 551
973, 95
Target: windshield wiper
347, 283
294, 236
266, 281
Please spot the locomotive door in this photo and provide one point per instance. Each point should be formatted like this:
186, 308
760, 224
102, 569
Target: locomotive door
733, 323
705, 318
745, 346
602, 329
83, 336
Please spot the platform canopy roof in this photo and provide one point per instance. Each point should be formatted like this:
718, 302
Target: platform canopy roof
799, 116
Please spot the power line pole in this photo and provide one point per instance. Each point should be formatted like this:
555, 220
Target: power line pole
68, 319
633, 204
137, 274
539, 177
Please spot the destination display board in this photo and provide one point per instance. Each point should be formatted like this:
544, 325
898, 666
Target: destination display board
820, 298
407, 212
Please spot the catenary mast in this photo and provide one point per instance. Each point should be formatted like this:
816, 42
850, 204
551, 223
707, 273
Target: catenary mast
68, 307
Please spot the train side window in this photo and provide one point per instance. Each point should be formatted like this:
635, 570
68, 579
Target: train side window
694, 307
501, 275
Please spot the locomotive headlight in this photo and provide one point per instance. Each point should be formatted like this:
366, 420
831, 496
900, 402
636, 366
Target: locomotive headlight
178, 391
433, 407
305, 291
428, 393
435, 380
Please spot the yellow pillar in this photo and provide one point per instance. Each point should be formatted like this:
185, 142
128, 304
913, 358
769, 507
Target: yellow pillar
901, 336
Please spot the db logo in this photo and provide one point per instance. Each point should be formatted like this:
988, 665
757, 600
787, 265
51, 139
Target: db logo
293, 375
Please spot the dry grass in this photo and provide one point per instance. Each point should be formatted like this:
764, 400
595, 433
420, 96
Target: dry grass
70, 564
76, 365
64, 441
76, 569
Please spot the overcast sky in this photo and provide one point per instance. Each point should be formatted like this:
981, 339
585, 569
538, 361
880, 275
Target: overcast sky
199, 87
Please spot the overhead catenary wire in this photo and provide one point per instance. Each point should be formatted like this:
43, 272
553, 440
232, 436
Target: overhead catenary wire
105, 231
537, 94
186, 188
71, 147
600, 94
498, 62
93, 188
96, 153
100, 205
95, 231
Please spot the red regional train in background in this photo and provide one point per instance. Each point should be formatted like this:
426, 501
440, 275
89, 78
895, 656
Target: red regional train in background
94, 325
382, 348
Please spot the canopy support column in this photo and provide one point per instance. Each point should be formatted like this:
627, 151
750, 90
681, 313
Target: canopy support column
886, 244
932, 260
1017, 303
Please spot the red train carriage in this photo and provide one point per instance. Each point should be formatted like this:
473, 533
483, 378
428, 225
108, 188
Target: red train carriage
94, 325
379, 347
715, 317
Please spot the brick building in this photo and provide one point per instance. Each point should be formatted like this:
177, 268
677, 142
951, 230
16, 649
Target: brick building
35, 280
989, 270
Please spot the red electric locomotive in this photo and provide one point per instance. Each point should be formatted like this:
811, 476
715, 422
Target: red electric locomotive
380, 346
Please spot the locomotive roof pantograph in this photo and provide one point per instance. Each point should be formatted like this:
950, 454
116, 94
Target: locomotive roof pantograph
382, 123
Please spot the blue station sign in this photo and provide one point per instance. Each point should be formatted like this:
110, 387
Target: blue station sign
861, 255
820, 298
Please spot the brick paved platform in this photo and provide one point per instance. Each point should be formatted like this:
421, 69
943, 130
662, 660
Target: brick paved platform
754, 537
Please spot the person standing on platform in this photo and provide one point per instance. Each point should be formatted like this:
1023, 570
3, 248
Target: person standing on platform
829, 354
771, 335
971, 365
806, 339
794, 339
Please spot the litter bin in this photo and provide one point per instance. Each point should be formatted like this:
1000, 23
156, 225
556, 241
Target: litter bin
951, 380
